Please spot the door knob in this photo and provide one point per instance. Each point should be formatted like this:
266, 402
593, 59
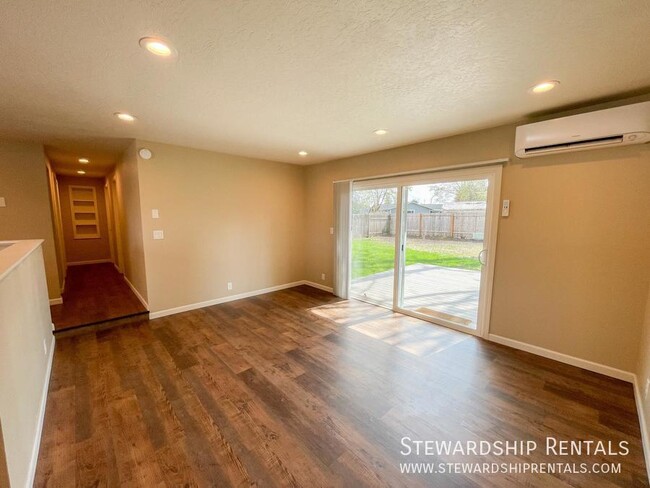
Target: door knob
481, 257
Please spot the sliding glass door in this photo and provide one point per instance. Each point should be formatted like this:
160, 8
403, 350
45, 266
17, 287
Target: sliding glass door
424, 245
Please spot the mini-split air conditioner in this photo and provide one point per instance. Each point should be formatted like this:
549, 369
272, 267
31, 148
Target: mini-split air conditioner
620, 126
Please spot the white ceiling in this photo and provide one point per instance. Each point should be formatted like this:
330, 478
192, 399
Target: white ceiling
269, 78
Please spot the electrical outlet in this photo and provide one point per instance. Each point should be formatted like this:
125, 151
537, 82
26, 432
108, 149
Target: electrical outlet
332, 230
2, 202
158, 234
44, 347
322, 276
229, 285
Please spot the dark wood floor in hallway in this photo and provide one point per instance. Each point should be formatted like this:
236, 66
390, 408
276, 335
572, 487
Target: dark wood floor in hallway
94, 293
298, 388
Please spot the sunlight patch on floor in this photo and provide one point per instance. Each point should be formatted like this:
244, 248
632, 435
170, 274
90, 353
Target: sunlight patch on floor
417, 337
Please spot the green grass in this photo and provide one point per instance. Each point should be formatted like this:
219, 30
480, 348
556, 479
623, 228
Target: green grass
370, 257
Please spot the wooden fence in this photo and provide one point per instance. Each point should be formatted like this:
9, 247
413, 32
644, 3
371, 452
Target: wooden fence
449, 225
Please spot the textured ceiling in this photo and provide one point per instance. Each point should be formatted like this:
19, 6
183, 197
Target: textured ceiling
269, 78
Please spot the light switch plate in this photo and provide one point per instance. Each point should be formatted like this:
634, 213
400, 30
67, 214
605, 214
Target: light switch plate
332, 230
505, 208
158, 234
2, 202
154, 213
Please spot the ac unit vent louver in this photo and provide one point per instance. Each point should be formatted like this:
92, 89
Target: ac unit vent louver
600, 141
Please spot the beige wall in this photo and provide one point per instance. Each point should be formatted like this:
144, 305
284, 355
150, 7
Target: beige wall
23, 183
225, 218
26, 348
643, 375
572, 265
127, 195
82, 250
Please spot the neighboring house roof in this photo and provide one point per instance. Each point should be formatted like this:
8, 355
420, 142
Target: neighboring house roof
464, 205
422, 207
432, 206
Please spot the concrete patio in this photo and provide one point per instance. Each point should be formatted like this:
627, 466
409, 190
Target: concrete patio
428, 289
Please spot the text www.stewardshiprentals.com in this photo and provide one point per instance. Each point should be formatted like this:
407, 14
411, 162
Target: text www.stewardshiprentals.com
509, 468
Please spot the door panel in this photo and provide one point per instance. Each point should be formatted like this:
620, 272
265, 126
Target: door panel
373, 228
443, 238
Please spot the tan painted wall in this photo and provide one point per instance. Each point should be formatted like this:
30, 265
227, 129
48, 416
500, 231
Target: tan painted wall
225, 218
81, 250
572, 265
643, 373
23, 183
127, 194
25, 328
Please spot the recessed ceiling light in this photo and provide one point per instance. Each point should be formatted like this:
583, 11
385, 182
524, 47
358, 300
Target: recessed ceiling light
302, 154
81, 172
124, 116
381, 132
157, 46
84, 160
544, 86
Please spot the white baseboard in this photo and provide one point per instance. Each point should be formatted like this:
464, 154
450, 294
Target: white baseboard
41, 416
56, 301
645, 434
232, 298
318, 285
564, 358
96, 261
136, 292
590, 366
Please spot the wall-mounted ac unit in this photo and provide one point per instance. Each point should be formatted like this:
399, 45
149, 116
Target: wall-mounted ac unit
620, 126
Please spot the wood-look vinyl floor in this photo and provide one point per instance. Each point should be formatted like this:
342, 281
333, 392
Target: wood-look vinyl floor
298, 388
94, 293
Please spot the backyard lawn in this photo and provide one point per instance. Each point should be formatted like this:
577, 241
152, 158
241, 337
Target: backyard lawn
371, 256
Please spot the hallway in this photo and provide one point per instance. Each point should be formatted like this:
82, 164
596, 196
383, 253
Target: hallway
95, 294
